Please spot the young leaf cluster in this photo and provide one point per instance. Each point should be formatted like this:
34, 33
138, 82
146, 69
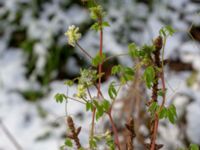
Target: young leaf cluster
67, 143
105, 137
126, 73
165, 113
141, 53
98, 59
60, 97
166, 31
101, 107
97, 14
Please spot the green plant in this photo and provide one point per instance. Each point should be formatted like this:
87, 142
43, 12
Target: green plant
150, 61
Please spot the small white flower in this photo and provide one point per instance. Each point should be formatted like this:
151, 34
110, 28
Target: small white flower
73, 35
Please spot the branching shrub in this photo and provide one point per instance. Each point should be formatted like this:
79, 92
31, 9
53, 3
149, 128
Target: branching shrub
150, 60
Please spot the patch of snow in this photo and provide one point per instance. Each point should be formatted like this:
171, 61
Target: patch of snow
193, 112
72, 66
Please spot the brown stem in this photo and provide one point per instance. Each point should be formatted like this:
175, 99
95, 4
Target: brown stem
158, 43
93, 119
155, 130
131, 134
114, 130
74, 132
100, 53
99, 81
99, 85
157, 62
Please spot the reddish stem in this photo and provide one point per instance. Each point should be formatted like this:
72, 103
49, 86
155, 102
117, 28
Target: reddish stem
114, 130
99, 81
93, 118
155, 130
100, 65
158, 44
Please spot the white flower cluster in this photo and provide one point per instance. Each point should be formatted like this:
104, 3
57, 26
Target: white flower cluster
73, 35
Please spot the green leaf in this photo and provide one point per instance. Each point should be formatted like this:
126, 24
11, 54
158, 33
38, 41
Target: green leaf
173, 110
110, 142
93, 143
95, 27
127, 74
89, 106
68, 142
194, 147
123, 80
133, 50
96, 104
98, 59
163, 113
91, 3
116, 69
160, 93
112, 92
99, 112
99, 108
171, 116
106, 105
170, 30
105, 24
69, 82
97, 12
129, 71
153, 107
171, 113
148, 49
97, 138
166, 31
60, 97
149, 76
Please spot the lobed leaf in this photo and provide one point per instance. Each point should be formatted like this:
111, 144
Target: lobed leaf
112, 92
149, 76
60, 97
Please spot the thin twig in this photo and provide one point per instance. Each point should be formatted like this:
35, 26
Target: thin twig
74, 99
115, 131
114, 56
98, 86
84, 51
10, 136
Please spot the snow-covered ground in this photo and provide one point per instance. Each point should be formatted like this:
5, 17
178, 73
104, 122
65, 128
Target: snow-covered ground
24, 119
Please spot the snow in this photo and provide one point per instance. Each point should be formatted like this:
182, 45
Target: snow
193, 123
41, 53
9, 62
